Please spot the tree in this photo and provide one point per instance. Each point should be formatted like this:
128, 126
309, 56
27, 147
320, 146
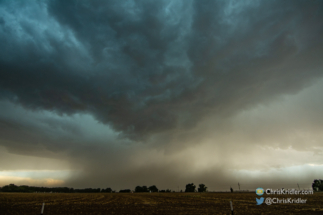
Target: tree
108, 190
153, 188
10, 188
202, 188
145, 189
190, 188
139, 189
317, 185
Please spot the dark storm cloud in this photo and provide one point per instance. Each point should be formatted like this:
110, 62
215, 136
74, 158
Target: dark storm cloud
200, 81
147, 67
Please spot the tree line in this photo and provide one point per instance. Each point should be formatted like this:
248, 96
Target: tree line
138, 189
317, 185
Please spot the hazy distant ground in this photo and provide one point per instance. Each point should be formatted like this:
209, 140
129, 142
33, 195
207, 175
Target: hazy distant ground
152, 203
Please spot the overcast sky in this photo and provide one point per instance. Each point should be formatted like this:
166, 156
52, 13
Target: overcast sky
125, 93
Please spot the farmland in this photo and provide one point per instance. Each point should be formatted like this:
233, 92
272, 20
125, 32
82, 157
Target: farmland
152, 203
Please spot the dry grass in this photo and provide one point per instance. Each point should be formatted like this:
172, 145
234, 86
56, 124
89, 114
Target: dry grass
152, 203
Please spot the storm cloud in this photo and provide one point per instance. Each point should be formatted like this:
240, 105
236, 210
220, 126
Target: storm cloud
130, 92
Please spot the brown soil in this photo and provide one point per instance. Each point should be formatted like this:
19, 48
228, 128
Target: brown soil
152, 203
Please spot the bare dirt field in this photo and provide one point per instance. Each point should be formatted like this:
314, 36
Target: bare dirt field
152, 203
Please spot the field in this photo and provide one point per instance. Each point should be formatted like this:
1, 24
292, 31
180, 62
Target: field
152, 203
